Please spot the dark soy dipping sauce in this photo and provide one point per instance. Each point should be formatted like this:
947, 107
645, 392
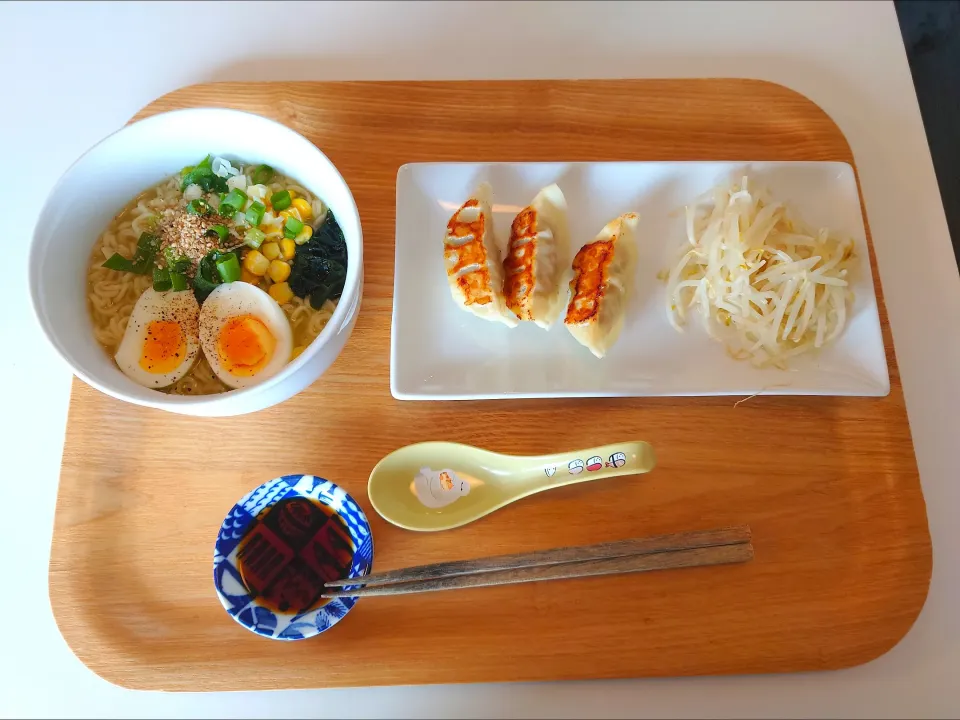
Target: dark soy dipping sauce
296, 546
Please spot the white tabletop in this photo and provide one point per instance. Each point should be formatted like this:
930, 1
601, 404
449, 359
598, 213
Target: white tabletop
72, 73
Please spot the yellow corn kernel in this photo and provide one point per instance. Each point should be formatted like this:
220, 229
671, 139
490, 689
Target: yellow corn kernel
248, 277
279, 271
255, 262
270, 250
288, 248
306, 212
290, 212
304, 235
293, 194
297, 350
281, 292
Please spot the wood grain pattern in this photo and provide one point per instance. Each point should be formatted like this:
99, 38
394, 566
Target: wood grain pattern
555, 556
669, 560
828, 485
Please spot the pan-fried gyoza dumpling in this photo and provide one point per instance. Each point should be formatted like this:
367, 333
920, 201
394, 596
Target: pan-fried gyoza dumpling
472, 259
601, 284
537, 255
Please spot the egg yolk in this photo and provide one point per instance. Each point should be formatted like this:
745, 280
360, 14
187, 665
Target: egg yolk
245, 345
164, 347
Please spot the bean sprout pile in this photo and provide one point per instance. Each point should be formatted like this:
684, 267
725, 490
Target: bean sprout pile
765, 284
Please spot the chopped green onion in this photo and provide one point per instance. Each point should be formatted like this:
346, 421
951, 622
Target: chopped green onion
236, 198
219, 230
229, 268
262, 175
199, 207
176, 264
119, 263
202, 288
178, 281
203, 176
254, 238
255, 213
281, 200
161, 280
226, 210
147, 248
207, 278
292, 227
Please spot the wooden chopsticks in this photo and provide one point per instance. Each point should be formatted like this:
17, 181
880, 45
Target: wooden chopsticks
680, 550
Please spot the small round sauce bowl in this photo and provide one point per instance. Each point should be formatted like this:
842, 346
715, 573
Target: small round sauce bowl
277, 547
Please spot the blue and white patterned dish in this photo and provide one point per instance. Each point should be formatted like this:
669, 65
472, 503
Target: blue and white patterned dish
243, 518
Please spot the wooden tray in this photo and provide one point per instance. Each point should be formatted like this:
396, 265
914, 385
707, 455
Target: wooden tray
829, 485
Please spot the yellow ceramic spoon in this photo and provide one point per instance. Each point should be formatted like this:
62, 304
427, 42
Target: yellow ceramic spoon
441, 485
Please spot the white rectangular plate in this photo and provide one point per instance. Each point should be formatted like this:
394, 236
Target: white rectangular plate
440, 352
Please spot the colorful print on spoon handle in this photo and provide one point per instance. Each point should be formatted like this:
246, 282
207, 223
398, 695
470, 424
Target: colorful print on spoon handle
606, 461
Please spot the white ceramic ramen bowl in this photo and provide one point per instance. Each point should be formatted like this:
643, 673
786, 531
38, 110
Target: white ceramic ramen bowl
98, 185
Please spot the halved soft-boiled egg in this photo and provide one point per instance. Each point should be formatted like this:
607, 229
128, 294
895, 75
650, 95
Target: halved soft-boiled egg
245, 335
162, 338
